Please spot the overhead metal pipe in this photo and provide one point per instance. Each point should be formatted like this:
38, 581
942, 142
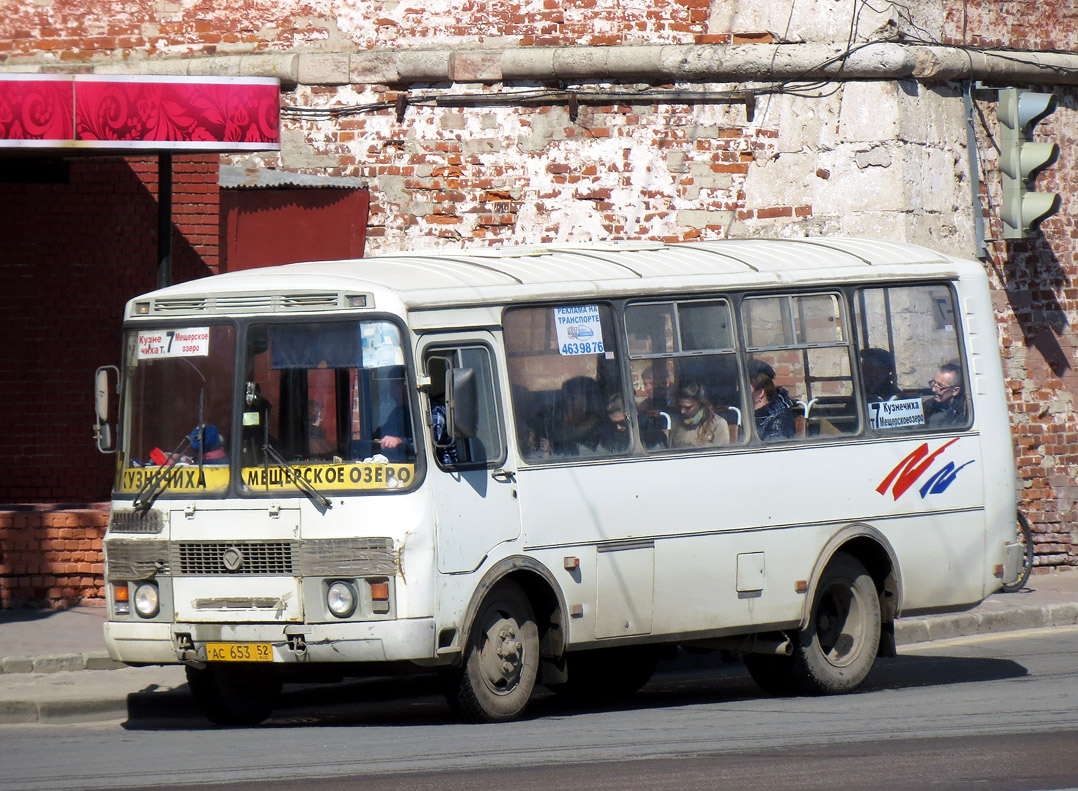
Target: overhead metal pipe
875, 60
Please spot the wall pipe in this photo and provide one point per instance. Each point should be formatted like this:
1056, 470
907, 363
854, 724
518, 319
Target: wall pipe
882, 60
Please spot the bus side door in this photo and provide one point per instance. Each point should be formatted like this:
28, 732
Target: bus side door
475, 498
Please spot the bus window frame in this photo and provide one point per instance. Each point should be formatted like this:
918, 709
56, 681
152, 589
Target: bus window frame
125, 408
734, 351
842, 295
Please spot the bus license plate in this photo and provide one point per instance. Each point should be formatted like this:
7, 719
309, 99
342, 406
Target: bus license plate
239, 652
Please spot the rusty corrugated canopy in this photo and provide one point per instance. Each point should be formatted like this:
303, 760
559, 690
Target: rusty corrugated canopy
119, 113
237, 177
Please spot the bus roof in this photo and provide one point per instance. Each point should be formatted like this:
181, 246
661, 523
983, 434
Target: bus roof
490, 276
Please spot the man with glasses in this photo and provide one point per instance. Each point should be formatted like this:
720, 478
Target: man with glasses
946, 407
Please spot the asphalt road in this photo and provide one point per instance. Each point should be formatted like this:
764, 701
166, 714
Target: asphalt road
992, 712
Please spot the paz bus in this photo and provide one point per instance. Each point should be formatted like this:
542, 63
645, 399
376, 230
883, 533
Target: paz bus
554, 466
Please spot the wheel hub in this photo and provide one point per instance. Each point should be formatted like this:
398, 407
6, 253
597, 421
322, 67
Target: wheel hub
840, 625
502, 656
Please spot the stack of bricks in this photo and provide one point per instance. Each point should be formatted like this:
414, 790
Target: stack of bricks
52, 558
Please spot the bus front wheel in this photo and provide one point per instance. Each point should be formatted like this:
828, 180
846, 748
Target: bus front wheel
495, 680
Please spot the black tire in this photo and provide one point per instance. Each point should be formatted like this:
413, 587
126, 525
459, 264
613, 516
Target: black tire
1026, 534
496, 677
607, 674
235, 694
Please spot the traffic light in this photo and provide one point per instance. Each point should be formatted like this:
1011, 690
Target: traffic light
1021, 159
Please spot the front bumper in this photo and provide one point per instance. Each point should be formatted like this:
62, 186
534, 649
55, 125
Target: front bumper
410, 639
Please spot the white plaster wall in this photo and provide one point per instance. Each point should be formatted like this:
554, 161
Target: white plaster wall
827, 21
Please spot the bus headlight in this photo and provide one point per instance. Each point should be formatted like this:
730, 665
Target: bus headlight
341, 599
147, 600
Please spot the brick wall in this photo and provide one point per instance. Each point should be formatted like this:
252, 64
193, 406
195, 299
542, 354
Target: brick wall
51, 557
74, 252
535, 175
78, 30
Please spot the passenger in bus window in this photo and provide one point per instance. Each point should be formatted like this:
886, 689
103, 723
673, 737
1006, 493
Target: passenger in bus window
573, 428
214, 450
698, 425
773, 409
946, 407
615, 431
652, 417
319, 443
878, 375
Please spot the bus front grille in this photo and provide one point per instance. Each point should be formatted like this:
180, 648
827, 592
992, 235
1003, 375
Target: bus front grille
220, 558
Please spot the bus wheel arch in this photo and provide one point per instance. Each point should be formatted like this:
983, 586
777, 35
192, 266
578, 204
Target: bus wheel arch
836, 650
514, 623
847, 622
872, 549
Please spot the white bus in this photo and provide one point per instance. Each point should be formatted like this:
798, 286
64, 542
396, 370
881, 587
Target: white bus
771, 448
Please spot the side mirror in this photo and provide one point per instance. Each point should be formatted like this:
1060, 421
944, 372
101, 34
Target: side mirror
106, 386
461, 402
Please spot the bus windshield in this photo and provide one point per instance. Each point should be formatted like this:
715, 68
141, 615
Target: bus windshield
323, 406
178, 396
326, 401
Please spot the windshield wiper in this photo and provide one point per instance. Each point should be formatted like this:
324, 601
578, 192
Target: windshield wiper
154, 485
319, 500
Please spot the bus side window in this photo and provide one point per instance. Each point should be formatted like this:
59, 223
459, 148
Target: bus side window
568, 394
912, 376
799, 367
684, 372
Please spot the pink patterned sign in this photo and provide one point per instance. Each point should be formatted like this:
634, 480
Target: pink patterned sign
36, 109
145, 113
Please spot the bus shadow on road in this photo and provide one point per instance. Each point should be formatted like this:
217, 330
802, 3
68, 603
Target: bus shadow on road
905, 672
417, 700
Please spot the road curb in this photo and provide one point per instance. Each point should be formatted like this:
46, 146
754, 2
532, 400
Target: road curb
86, 710
59, 663
944, 627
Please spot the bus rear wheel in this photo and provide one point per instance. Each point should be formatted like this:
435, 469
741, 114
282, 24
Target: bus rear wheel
234, 694
501, 662
835, 652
